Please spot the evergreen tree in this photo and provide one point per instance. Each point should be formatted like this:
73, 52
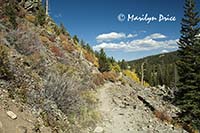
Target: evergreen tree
75, 38
40, 15
62, 29
123, 64
104, 64
188, 95
10, 11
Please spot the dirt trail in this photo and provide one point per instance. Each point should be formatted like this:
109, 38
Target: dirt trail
121, 114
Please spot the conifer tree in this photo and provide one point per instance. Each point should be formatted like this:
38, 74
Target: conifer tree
188, 95
104, 64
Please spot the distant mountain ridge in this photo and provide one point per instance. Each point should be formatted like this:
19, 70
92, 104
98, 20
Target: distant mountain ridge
158, 68
165, 56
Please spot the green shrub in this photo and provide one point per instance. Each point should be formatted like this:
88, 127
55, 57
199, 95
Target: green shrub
5, 72
40, 16
11, 13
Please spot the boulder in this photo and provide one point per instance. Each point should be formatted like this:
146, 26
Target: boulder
11, 115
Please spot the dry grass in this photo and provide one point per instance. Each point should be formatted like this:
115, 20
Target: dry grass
90, 97
56, 51
90, 57
110, 76
98, 79
163, 116
68, 47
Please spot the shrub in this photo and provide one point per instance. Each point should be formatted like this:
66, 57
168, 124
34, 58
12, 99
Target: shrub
64, 69
40, 16
64, 91
90, 97
88, 116
5, 72
68, 47
25, 42
90, 57
116, 68
132, 75
98, 79
57, 30
11, 13
110, 76
162, 115
56, 51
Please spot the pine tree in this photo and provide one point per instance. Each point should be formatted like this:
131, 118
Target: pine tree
75, 38
40, 16
62, 29
123, 64
188, 94
104, 64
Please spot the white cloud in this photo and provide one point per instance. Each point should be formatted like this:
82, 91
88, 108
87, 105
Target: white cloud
164, 51
156, 36
131, 35
107, 37
145, 44
110, 36
58, 15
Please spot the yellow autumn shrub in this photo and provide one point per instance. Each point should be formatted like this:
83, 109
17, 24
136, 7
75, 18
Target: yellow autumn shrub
115, 67
132, 75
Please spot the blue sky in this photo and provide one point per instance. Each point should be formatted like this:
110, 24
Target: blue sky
98, 23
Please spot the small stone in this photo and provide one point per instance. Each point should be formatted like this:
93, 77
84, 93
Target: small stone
11, 115
98, 130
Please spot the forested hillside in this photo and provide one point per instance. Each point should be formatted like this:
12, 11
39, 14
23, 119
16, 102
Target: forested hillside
158, 69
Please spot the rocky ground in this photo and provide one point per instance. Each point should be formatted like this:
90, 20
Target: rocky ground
123, 112
17, 118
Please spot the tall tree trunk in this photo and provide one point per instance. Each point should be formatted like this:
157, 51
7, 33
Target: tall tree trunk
47, 7
142, 76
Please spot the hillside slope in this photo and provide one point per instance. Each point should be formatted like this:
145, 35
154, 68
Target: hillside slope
44, 70
50, 83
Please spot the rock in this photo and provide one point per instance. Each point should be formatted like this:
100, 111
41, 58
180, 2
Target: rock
11, 115
22, 129
98, 130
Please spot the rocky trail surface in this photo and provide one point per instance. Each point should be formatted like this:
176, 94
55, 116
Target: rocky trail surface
124, 112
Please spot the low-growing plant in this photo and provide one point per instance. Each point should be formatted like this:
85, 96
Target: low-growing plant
57, 51
63, 90
90, 97
163, 116
10, 11
98, 79
110, 76
25, 43
132, 75
88, 116
5, 72
40, 16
